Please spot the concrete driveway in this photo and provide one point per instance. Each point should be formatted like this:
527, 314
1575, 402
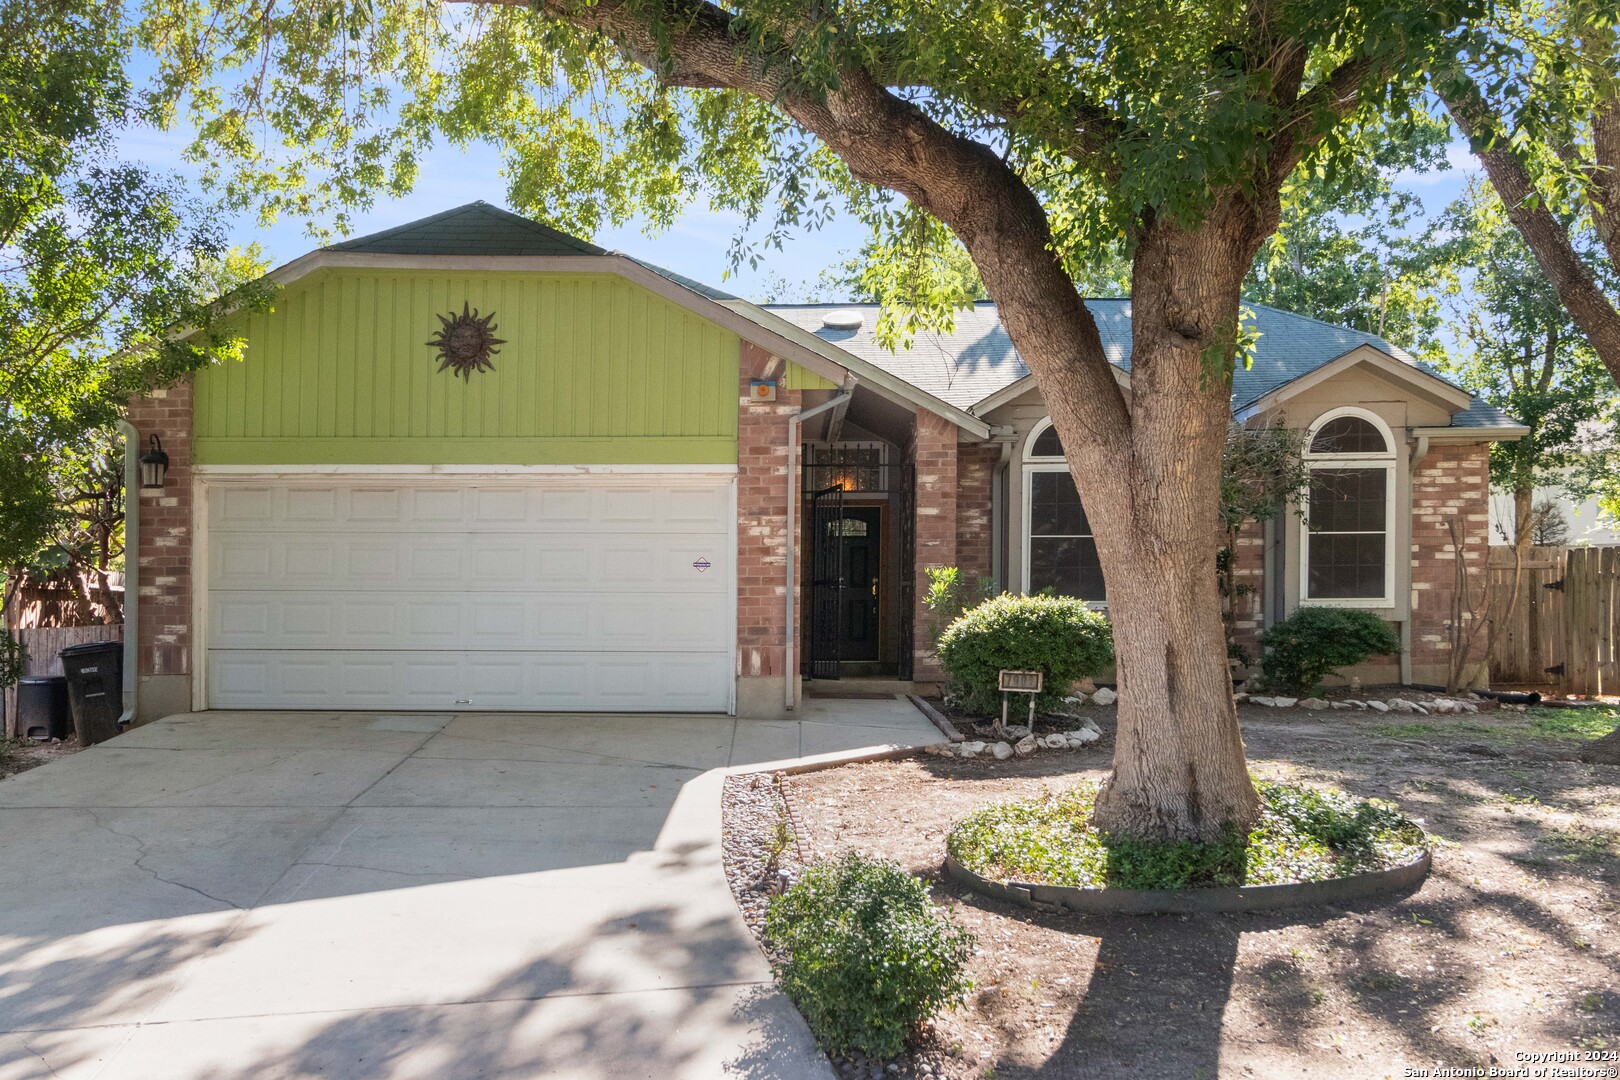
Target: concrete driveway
260, 895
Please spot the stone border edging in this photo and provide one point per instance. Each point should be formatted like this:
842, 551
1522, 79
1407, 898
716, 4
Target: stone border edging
1193, 901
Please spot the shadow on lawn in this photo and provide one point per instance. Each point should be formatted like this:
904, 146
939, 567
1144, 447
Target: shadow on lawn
1350, 991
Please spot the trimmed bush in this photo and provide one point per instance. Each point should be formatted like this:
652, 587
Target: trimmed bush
1056, 635
1314, 642
868, 956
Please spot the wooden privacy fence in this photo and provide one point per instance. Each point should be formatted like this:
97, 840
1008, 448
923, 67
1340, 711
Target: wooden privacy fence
44, 643
1564, 630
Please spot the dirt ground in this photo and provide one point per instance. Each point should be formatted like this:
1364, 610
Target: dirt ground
20, 755
1509, 949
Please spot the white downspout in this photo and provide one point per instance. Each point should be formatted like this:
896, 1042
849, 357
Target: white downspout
132, 564
791, 547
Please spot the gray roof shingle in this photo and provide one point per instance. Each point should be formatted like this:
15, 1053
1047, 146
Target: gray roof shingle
474, 229
977, 358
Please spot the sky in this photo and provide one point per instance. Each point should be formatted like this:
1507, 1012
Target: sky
697, 245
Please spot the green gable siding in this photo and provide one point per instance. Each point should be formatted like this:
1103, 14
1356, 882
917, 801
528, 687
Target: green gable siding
799, 378
595, 369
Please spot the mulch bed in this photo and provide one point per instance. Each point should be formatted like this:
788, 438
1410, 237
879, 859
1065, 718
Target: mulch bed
1509, 948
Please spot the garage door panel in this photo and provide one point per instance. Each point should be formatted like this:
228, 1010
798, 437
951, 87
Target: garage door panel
455, 593
655, 682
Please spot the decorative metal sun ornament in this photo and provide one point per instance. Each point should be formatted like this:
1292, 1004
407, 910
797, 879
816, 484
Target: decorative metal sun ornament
466, 342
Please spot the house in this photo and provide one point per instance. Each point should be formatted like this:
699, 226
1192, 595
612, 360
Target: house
472, 463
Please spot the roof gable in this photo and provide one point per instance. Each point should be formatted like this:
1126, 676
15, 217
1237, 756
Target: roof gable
474, 229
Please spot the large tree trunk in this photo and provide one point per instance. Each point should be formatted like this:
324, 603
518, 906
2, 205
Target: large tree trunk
1179, 767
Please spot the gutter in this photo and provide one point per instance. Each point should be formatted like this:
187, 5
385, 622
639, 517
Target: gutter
790, 545
132, 566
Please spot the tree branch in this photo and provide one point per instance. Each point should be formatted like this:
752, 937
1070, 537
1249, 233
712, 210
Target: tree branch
1543, 233
893, 144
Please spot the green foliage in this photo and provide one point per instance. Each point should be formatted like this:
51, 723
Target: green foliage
1303, 834
1522, 352
1314, 642
13, 659
947, 597
867, 955
1056, 635
99, 258
1354, 250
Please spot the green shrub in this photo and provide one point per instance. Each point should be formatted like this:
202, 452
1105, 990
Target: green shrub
1314, 642
948, 596
13, 659
868, 956
1056, 635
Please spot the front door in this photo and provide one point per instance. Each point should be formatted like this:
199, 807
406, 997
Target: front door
859, 532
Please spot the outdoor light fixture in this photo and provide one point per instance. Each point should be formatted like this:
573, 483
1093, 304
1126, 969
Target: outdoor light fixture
154, 463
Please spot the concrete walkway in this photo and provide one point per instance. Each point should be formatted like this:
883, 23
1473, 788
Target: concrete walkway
236, 895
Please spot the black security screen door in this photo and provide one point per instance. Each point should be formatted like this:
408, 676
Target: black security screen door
858, 532
826, 582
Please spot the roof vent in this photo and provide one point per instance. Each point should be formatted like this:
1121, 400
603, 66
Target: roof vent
842, 319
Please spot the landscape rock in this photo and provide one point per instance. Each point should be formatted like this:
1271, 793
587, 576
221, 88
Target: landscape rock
1313, 703
1377, 706
1285, 702
1104, 696
1268, 701
1001, 751
1058, 741
1357, 704
1084, 687
1016, 731
1025, 746
1404, 706
1075, 699
1342, 705
1240, 697
1083, 736
1468, 707
1444, 706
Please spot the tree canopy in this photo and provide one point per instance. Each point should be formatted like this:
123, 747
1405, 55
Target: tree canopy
99, 258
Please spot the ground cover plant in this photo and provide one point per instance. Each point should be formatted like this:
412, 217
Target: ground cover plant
1511, 941
1056, 635
865, 954
1302, 834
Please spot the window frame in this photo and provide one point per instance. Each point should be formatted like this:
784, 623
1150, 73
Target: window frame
1044, 463
1358, 460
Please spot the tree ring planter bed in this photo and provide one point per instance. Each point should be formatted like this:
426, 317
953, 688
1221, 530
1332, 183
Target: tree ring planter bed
1112, 901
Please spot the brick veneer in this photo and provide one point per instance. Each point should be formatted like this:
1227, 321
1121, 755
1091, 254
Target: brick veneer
1451, 482
934, 454
762, 467
975, 469
164, 556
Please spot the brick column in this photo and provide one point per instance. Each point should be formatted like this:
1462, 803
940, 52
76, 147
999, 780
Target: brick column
934, 455
975, 471
164, 638
1451, 483
762, 470
1249, 573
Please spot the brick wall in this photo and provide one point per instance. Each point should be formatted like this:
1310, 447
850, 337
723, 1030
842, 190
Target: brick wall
1451, 483
164, 558
975, 469
762, 467
934, 454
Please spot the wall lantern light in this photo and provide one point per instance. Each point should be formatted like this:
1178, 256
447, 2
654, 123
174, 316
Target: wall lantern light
154, 464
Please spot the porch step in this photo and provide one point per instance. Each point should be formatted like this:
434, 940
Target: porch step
860, 687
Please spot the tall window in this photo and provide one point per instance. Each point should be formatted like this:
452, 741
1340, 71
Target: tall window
1059, 552
1348, 538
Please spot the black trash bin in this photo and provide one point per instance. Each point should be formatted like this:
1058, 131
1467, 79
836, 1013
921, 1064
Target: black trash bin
95, 679
42, 707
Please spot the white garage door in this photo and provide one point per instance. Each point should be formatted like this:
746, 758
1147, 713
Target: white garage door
603, 593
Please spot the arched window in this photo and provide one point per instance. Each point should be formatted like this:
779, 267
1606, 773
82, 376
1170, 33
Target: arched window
1059, 552
1348, 541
